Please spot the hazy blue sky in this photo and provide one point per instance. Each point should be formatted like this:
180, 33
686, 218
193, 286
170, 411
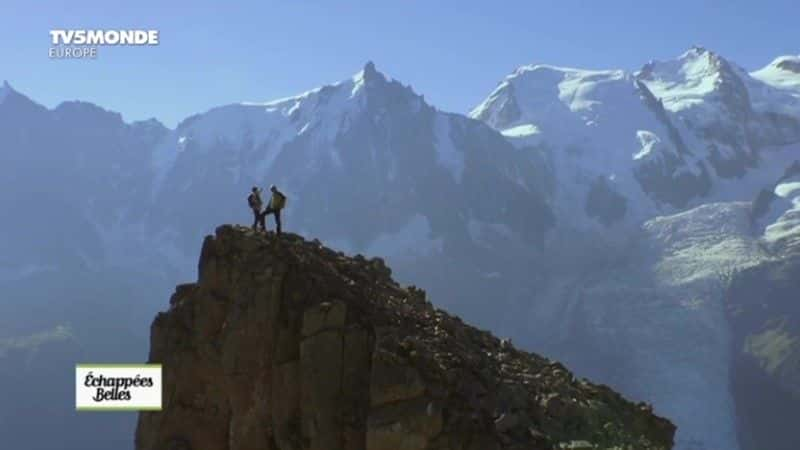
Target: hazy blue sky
453, 52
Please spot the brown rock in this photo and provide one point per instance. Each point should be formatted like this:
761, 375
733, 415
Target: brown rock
283, 344
323, 316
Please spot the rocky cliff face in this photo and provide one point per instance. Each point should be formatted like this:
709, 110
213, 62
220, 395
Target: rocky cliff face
285, 344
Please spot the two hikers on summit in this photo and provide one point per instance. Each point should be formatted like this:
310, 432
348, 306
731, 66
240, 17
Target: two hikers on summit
276, 203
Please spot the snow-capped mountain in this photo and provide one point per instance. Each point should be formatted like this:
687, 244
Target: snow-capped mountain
656, 141
595, 216
364, 161
685, 168
782, 73
732, 112
594, 130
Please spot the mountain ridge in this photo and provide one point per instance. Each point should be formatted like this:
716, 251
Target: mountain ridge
662, 137
549, 220
283, 344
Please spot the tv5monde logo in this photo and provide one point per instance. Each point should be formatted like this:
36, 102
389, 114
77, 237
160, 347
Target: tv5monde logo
84, 44
118, 387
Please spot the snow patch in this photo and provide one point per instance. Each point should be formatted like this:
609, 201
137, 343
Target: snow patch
359, 81
782, 73
704, 242
685, 82
527, 129
787, 189
447, 154
787, 226
648, 141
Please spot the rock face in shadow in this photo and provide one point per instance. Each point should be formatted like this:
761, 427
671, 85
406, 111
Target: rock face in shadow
763, 308
284, 344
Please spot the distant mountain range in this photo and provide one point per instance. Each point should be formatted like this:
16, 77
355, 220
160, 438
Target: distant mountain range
598, 217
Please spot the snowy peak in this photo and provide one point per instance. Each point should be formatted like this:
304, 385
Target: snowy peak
319, 121
537, 95
657, 137
711, 93
692, 64
370, 81
782, 73
689, 81
598, 129
789, 64
292, 115
380, 88
367, 82
370, 73
368, 128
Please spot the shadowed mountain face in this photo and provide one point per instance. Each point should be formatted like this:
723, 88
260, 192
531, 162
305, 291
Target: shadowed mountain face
286, 344
764, 310
595, 216
66, 175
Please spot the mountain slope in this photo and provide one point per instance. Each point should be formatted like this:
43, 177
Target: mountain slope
597, 221
782, 73
367, 165
665, 138
596, 130
69, 174
371, 168
665, 179
286, 344
369, 141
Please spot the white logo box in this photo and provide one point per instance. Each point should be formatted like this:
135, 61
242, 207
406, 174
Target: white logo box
118, 387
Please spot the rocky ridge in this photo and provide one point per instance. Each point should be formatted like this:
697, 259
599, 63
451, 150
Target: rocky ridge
285, 344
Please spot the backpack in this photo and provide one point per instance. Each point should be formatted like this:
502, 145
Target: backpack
251, 201
280, 201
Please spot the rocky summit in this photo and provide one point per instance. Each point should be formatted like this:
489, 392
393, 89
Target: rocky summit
285, 344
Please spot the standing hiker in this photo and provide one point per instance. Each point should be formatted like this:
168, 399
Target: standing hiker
276, 203
255, 203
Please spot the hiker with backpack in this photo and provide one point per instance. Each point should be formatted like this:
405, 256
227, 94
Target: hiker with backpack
276, 203
255, 203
